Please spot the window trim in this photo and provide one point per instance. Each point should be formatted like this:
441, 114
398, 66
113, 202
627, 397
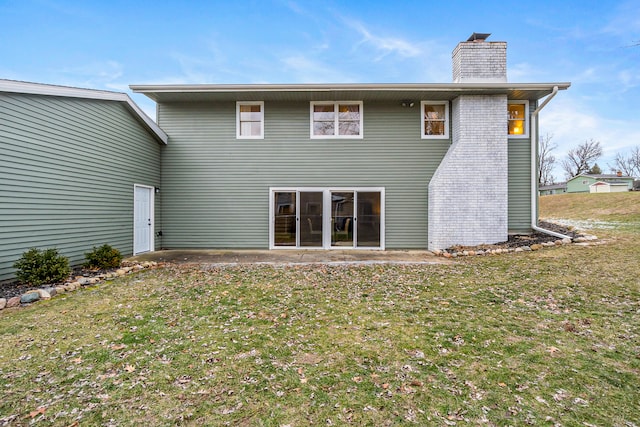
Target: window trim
238, 128
446, 119
336, 105
525, 134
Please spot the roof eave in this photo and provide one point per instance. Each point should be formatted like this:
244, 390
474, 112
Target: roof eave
159, 93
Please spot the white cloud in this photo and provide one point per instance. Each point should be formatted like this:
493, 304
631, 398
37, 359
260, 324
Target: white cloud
308, 70
383, 46
96, 75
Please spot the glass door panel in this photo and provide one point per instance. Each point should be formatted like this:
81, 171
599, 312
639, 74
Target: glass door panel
285, 218
311, 218
368, 223
342, 204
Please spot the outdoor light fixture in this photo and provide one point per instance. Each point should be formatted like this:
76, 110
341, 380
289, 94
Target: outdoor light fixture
157, 189
407, 103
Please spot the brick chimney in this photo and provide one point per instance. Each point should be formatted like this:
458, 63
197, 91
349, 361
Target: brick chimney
480, 61
461, 213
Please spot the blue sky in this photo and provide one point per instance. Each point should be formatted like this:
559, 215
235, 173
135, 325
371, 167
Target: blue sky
111, 44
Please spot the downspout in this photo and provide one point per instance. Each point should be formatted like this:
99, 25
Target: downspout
534, 169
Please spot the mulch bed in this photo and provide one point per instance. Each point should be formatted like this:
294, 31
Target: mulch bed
15, 289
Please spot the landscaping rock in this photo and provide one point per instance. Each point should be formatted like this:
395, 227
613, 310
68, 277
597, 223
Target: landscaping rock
42, 293
13, 302
52, 291
536, 247
566, 241
29, 297
526, 248
3, 303
83, 281
60, 289
121, 272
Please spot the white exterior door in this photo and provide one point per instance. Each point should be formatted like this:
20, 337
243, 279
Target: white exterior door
142, 219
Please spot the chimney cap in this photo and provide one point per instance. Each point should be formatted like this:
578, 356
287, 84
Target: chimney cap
478, 37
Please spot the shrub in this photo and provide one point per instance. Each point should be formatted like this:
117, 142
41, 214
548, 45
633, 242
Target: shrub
37, 267
103, 257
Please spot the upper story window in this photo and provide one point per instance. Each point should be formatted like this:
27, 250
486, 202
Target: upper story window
250, 120
518, 118
336, 120
434, 119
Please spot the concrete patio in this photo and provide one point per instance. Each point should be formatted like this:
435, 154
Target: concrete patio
275, 257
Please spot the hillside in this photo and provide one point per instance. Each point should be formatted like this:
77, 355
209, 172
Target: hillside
619, 207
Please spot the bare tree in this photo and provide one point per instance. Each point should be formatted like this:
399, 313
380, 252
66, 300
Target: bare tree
628, 165
579, 159
546, 160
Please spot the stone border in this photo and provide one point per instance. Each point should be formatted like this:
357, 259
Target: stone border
584, 240
71, 285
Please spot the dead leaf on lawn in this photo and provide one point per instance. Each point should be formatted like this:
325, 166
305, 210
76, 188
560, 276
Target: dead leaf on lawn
40, 411
553, 350
129, 368
117, 346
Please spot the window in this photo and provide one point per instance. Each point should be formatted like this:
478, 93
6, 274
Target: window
518, 119
336, 120
250, 120
434, 119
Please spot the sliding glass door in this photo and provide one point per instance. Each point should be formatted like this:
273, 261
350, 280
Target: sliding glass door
311, 219
327, 218
342, 219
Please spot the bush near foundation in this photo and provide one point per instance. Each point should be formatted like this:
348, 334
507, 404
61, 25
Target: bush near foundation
103, 257
37, 266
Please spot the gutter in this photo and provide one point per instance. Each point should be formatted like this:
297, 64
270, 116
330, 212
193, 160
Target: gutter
534, 169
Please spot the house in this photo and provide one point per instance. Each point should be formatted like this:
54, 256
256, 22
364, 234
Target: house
279, 166
609, 187
78, 169
368, 166
607, 183
559, 188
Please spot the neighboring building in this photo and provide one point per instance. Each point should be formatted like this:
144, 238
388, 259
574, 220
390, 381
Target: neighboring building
582, 183
352, 165
559, 188
609, 187
74, 163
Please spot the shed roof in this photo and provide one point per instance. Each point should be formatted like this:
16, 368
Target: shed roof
345, 91
14, 86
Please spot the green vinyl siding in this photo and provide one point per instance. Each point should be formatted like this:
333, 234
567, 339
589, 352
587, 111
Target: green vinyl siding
215, 188
580, 184
519, 150
519, 186
67, 172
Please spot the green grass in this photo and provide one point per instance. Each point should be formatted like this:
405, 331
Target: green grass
543, 338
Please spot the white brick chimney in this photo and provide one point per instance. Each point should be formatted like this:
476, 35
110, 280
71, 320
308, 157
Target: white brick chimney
480, 61
468, 193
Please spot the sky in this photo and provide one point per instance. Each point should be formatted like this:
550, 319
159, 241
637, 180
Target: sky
109, 45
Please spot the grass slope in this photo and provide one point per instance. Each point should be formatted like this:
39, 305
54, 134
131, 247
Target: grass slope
543, 338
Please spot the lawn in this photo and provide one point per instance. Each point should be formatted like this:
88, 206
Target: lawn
539, 338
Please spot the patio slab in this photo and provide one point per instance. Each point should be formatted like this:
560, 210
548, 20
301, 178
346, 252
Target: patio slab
217, 256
